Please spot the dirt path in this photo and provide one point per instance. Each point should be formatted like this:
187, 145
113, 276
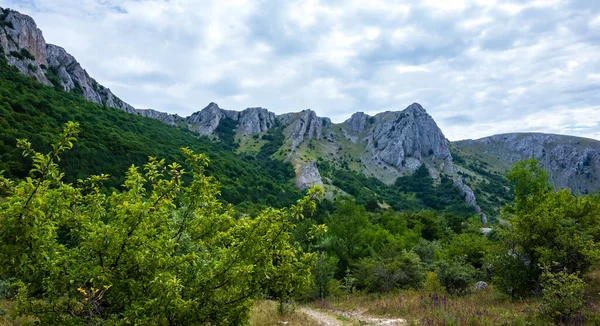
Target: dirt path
356, 316
321, 317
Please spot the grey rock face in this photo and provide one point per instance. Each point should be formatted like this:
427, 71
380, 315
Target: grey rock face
303, 126
358, 122
206, 120
469, 197
572, 162
308, 175
411, 133
170, 119
20, 34
255, 120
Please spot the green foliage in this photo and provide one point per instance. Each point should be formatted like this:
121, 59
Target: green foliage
513, 275
427, 251
8, 289
456, 276
159, 252
548, 228
23, 54
474, 247
562, 295
377, 274
226, 133
432, 284
530, 182
444, 196
111, 140
322, 274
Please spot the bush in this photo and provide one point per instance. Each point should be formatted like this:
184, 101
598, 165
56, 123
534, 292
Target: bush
158, 252
383, 275
562, 295
456, 276
432, 284
8, 289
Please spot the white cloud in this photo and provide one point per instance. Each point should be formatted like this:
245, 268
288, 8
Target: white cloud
478, 66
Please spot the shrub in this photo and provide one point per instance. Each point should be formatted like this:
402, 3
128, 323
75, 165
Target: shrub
26, 54
158, 252
385, 274
456, 276
562, 295
8, 289
432, 283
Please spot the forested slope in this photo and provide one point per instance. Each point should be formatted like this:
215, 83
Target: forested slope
112, 140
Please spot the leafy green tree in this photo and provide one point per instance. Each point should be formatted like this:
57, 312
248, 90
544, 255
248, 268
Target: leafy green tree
160, 252
474, 247
322, 274
548, 228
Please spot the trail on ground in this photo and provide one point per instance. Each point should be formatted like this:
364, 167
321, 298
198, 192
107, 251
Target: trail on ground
327, 319
321, 317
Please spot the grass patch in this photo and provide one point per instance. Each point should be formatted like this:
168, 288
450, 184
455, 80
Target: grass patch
480, 308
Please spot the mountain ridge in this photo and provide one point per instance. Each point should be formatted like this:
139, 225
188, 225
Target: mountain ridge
385, 146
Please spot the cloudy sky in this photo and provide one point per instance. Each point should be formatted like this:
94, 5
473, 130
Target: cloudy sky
478, 67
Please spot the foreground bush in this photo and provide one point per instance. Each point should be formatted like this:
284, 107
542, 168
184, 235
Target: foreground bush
159, 252
562, 296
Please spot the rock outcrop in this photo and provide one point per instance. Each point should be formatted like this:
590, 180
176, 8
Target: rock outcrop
304, 125
308, 175
253, 120
572, 162
469, 197
206, 120
402, 139
25, 48
358, 122
166, 118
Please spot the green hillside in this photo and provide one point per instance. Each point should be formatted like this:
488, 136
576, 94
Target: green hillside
111, 140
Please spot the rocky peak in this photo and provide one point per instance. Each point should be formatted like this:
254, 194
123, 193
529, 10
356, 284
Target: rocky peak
304, 125
410, 134
25, 48
206, 120
358, 122
255, 120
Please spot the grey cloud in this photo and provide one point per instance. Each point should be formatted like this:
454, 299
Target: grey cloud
477, 71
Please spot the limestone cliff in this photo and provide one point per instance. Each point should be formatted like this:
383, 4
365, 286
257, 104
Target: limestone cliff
24, 47
572, 162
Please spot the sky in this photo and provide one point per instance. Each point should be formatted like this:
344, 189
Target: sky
478, 67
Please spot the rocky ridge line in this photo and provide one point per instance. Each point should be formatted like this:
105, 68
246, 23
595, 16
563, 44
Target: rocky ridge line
24, 47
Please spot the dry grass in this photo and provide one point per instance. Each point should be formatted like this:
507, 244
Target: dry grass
481, 308
264, 313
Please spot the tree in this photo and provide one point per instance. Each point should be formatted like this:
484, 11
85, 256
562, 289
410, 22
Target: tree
549, 228
322, 273
159, 252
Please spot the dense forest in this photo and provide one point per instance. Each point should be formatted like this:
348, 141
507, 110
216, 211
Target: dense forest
110, 218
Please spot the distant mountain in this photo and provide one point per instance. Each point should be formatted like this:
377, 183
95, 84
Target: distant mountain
572, 162
365, 156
